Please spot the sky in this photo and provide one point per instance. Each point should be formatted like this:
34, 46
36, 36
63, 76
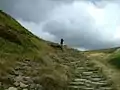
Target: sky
83, 24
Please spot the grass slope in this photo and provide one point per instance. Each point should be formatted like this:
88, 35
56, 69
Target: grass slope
18, 44
109, 61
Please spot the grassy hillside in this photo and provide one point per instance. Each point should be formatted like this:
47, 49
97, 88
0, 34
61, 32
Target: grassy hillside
27, 61
114, 59
109, 60
16, 42
18, 45
16, 36
112, 53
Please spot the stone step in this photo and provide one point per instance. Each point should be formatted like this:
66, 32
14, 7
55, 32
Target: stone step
88, 77
80, 80
87, 73
85, 81
80, 68
87, 84
91, 79
97, 75
92, 69
80, 88
95, 70
96, 79
77, 83
104, 84
106, 88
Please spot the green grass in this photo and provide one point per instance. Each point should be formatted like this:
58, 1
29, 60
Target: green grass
109, 61
108, 50
18, 44
114, 60
16, 39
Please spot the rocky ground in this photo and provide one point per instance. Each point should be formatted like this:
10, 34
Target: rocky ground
88, 77
85, 76
18, 80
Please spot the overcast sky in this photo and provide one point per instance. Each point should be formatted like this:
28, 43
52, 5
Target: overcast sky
83, 24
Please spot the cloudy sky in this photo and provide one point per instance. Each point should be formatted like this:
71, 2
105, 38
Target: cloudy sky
83, 24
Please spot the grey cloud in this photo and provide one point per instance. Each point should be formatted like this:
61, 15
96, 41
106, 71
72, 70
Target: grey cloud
66, 19
38, 10
82, 36
80, 29
31, 10
7, 6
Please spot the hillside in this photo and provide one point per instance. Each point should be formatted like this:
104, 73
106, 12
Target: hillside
19, 47
30, 63
109, 61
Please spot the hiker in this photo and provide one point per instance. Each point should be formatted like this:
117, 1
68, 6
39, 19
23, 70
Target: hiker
61, 43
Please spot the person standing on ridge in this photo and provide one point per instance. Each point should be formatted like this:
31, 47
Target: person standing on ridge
61, 43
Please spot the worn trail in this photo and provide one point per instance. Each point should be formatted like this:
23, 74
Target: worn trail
86, 75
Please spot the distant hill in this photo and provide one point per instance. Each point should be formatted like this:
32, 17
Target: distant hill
106, 50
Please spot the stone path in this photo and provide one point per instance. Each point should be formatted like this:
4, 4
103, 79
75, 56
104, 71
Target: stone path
88, 77
85, 75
